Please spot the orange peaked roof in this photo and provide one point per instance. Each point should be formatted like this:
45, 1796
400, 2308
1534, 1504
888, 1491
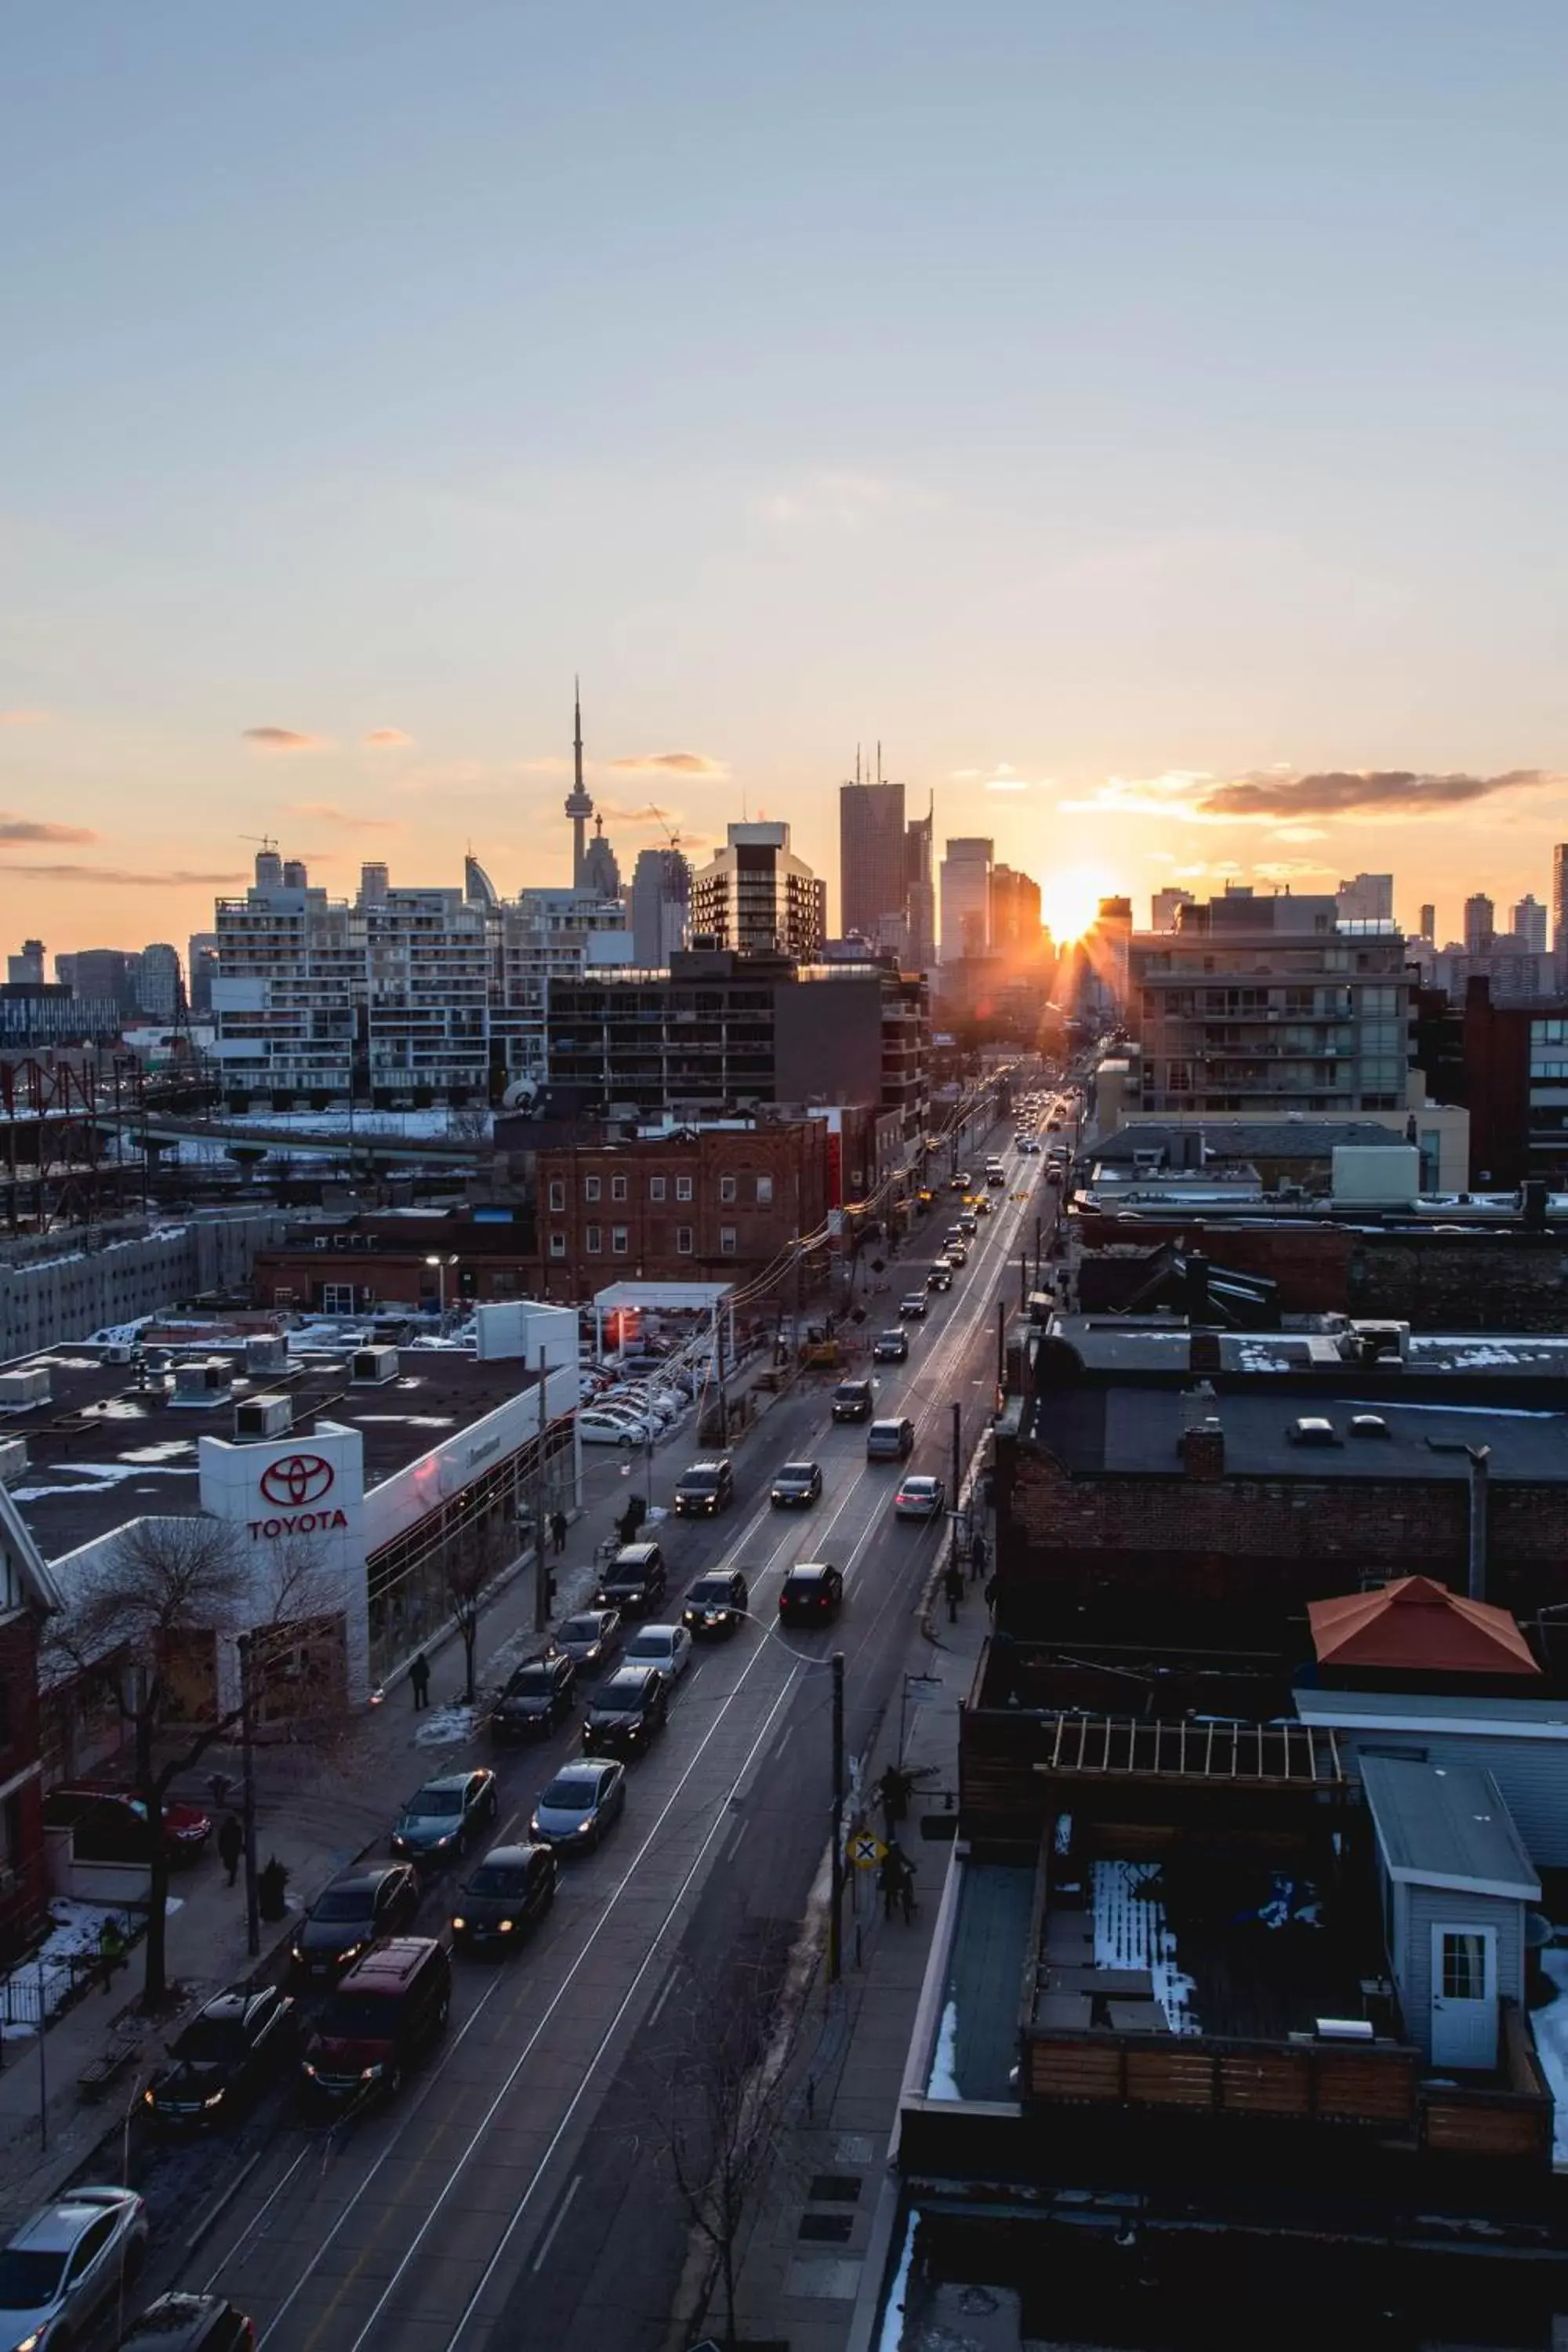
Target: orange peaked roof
1418, 1626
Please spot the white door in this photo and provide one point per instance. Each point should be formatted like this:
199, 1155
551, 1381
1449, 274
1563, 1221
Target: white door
1464, 1996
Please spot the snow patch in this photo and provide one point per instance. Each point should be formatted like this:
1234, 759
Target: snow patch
447, 1727
1131, 1931
1551, 2029
943, 2080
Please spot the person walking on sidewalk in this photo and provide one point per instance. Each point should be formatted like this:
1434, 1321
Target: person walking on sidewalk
110, 1948
558, 1531
953, 1589
230, 1846
896, 1877
419, 1682
978, 1556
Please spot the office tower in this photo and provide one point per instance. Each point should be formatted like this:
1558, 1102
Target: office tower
601, 874
919, 892
107, 975
1163, 908
1559, 910
161, 990
546, 936
477, 889
1014, 916
1108, 943
1480, 924
27, 969
1367, 898
1527, 920
660, 906
756, 895
201, 968
872, 881
966, 897
1429, 922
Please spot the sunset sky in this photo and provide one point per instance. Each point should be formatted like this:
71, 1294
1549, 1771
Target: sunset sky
1148, 418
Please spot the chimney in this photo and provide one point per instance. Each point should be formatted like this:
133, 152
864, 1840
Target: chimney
1202, 1450
1476, 1581
1197, 1287
1532, 1202
1203, 1353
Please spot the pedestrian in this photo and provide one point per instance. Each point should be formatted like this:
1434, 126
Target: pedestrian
978, 1557
990, 1592
896, 1878
419, 1682
110, 1948
230, 1846
953, 1587
558, 1531
894, 1788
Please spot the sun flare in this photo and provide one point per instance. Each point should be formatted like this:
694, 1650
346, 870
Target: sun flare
1070, 900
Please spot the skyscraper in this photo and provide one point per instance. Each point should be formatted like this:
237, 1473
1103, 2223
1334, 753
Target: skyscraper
919, 892
1560, 910
1014, 916
1367, 898
660, 906
1528, 920
1162, 908
27, 969
756, 894
1480, 924
966, 897
872, 881
161, 982
1429, 925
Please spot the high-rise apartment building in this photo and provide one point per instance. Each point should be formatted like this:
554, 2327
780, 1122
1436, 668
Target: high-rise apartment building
162, 986
1163, 908
27, 969
1560, 911
873, 885
1265, 1005
966, 897
201, 970
1428, 922
544, 936
109, 975
756, 896
920, 893
660, 906
1480, 924
1367, 898
1527, 922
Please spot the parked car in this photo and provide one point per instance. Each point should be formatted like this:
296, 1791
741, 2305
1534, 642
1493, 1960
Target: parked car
634, 1581
537, 1697
580, 1803
920, 1499
108, 1824
590, 1638
796, 1486
705, 1488
189, 2323
913, 1305
716, 1604
595, 1426
853, 1401
512, 1887
389, 2009
811, 1594
230, 2051
351, 1912
890, 1441
891, 1347
644, 1403
625, 1712
442, 1818
61, 2267
666, 1648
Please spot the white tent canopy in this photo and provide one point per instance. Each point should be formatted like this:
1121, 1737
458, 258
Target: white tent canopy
663, 1297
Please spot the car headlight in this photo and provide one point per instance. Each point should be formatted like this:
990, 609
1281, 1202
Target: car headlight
31, 2343
297, 1952
505, 1926
370, 2073
148, 2098
351, 1953
583, 1829
458, 1926
214, 2101
309, 2069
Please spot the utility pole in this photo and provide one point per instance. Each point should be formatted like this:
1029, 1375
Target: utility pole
957, 1477
1038, 1230
247, 1765
1001, 1344
1024, 1297
836, 1910
543, 1580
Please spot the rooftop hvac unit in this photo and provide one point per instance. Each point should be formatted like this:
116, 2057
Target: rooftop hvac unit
120, 1351
374, 1367
12, 1458
202, 1382
267, 1352
262, 1416
23, 1392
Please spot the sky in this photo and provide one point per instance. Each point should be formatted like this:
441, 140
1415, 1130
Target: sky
1146, 419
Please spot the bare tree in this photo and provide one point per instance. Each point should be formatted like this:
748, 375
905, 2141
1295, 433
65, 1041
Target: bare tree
168, 1584
472, 1564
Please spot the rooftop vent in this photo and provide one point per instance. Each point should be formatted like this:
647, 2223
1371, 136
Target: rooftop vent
262, 1416
1368, 1424
1312, 1429
372, 1368
24, 1391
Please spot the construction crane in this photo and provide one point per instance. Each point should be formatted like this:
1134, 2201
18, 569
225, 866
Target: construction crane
670, 836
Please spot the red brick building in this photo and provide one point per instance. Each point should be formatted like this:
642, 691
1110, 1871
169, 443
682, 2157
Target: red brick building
393, 1261
24, 1598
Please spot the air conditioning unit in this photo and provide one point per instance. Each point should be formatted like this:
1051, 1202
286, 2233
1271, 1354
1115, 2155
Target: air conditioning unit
372, 1368
262, 1416
202, 1382
120, 1351
25, 1391
13, 1459
266, 1352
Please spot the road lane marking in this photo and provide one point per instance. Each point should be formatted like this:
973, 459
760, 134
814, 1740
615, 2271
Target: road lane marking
560, 2211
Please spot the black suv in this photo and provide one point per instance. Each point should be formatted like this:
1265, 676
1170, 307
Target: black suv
716, 1604
891, 1347
704, 1489
230, 2051
513, 1886
190, 2323
354, 1910
625, 1711
633, 1581
388, 2012
537, 1698
853, 1401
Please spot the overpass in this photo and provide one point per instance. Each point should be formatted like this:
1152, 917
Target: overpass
353, 1144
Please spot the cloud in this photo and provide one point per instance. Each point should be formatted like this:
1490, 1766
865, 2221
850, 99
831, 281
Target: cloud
841, 500
23, 718
31, 828
384, 739
680, 763
282, 738
1342, 792
325, 812
178, 878
1008, 782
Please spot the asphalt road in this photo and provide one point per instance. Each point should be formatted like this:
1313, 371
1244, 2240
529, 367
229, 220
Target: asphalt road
514, 2195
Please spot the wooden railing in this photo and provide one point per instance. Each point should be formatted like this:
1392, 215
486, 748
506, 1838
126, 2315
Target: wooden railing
1320, 2081
1510, 2119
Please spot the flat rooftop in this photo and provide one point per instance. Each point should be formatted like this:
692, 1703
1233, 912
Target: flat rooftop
1162, 1343
103, 1450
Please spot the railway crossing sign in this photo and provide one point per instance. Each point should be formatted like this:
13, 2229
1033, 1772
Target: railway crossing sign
866, 1850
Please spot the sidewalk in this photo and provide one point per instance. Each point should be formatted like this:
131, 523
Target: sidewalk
319, 1810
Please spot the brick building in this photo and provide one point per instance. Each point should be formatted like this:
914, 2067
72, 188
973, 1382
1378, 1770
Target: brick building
372, 1261
25, 1594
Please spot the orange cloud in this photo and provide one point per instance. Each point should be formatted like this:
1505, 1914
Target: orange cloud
178, 878
326, 812
384, 739
31, 828
23, 718
280, 738
682, 763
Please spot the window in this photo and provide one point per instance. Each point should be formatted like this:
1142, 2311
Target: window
617, 1188
1464, 1965
557, 1244
337, 1299
683, 1188
590, 1187
558, 1194
593, 1239
765, 1191
683, 1241
726, 1188
727, 1241
656, 1188
617, 1241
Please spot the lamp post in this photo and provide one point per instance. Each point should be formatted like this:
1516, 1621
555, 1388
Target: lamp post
440, 1264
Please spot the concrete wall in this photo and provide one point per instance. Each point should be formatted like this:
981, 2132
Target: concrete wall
70, 1284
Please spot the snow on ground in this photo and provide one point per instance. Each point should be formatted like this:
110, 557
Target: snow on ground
892, 2330
943, 2080
1550, 2025
73, 1935
1131, 1931
447, 1727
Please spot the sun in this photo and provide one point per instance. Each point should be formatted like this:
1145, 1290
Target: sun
1070, 900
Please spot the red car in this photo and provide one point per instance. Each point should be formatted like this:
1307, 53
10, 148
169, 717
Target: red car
110, 1824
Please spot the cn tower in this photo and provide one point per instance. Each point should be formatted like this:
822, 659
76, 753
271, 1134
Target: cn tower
579, 807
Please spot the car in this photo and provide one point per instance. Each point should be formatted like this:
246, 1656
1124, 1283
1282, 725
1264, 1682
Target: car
666, 1648
595, 1426
890, 1441
920, 1499
644, 1403
716, 1604
853, 1400
811, 1594
913, 1305
959, 1183
443, 1818
796, 1486
939, 1277
512, 1887
954, 1248
228, 2053
994, 1173
891, 1347
625, 1712
634, 1581
537, 1696
969, 1224
61, 2267
705, 1488
580, 1804
189, 2323
391, 2005
590, 1639
351, 1912
1032, 1144
110, 1824
983, 1206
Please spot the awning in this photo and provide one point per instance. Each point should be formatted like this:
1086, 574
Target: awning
1416, 1626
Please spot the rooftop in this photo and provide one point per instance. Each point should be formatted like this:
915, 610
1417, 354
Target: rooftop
1162, 1342
1445, 1825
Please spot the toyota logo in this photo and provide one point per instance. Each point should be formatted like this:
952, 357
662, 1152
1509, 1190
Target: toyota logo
296, 1479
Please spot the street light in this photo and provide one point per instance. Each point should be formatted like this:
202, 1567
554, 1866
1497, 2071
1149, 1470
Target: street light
440, 1264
